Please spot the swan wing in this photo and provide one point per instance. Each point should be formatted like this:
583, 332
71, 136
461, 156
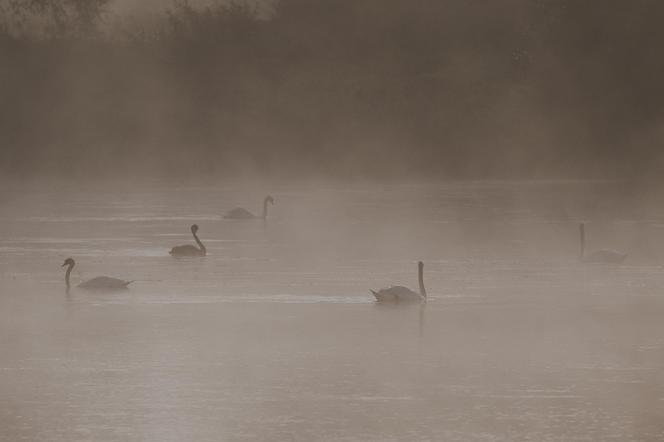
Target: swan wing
239, 213
104, 282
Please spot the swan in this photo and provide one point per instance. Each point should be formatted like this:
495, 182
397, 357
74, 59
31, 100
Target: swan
600, 256
98, 283
399, 293
188, 249
242, 213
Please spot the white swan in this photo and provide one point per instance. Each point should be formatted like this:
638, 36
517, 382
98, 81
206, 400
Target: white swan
98, 283
188, 249
399, 293
242, 213
600, 256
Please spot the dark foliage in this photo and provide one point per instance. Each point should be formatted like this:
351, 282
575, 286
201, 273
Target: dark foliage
454, 88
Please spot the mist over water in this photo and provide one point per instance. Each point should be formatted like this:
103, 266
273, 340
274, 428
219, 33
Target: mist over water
484, 139
274, 334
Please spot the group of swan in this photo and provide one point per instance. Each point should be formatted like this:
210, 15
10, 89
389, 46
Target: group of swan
108, 283
237, 213
391, 294
399, 293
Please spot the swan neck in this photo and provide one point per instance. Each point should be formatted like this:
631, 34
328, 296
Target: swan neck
200, 244
582, 241
420, 276
265, 208
69, 269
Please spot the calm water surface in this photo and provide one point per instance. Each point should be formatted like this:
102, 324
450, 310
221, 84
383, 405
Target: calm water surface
274, 334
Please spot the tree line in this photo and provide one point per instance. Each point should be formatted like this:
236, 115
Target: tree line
446, 88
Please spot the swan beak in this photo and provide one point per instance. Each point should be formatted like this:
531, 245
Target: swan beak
64, 264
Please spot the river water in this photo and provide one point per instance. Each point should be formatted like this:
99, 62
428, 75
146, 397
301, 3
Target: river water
275, 336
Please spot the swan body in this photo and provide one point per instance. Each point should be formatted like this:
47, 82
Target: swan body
98, 283
188, 249
104, 282
606, 256
398, 293
242, 213
601, 256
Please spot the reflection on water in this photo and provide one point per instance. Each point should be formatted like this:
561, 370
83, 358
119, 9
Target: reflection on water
275, 336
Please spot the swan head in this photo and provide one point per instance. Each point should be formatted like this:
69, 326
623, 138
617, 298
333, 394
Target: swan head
194, 228
420, 265
269, 199
68, 262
